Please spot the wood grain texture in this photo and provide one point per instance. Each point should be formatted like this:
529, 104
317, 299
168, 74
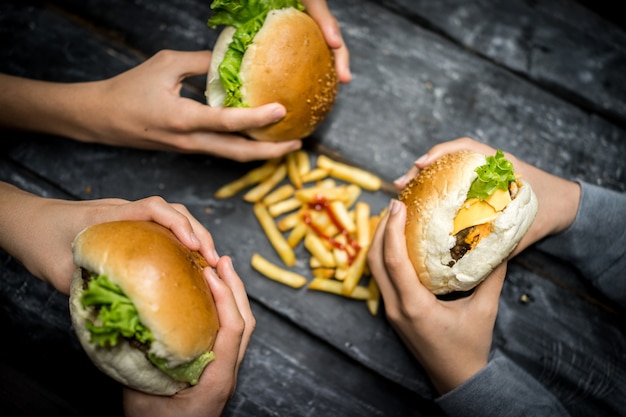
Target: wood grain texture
543, 80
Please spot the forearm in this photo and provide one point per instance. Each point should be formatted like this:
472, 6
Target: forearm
17, 210
38, 232
45, 107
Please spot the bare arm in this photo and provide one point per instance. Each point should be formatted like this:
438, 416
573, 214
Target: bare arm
39, 231
141, 108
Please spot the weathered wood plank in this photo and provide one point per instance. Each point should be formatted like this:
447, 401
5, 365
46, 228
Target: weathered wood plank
411, 89
560, 45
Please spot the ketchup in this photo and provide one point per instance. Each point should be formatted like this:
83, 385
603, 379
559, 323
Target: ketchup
319, 203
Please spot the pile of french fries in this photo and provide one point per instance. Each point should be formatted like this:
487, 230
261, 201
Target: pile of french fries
316, 205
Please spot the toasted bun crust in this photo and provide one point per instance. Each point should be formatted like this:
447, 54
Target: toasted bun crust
288, 62
165, 283
433, 199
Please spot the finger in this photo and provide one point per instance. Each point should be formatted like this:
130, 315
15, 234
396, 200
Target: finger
487, 293
456, 145
228, 274
437, 152
228, 342
233, 119
239, 148
401, 182
376, 263
206, 245
396, 257
342, 64
176, 218
190, 63
319, 11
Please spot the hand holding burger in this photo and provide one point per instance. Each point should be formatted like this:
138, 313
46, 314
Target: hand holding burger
452, 339
218, 381
466, 212
272, 51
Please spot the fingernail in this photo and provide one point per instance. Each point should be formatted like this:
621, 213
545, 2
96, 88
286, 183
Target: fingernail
212, 273
278, 113
394, 206
194, 239
401, 180
421, 159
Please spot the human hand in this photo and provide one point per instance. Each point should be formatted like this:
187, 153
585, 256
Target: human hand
142, 108
318, 10
218, 381
39, 231
558, 198
451, 339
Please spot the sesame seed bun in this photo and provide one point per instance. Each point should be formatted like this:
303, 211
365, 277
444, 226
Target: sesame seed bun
433, 199
288, 62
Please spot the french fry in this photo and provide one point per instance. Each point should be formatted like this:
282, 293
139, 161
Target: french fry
284, 206
341, 258
362, 215
373, 301
353, 193
335, 287
297, 234
289, 221
274, 235
325, 273
252, 177
292, 170
340, 213
327, 217
351, 174
319, 250
277, 273
341, 272
255, 194
314, 175
302, 161
355, 272
322, 193
279, 194
314, 263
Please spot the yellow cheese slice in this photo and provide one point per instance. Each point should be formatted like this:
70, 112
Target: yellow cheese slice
499, 199
475, 211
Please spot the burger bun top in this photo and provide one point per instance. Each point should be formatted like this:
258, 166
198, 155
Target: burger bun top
288, 62
164, 280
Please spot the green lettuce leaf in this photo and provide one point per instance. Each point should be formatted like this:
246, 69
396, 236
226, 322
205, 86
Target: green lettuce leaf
188, 372
117, 316
247, 16
497, 173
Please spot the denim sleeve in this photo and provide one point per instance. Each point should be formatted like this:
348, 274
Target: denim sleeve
596, 242
501, 389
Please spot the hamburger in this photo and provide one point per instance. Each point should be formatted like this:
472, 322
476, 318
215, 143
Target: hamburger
272, 51
141, 307
466, 212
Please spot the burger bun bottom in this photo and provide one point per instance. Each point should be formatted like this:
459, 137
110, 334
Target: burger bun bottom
123, 363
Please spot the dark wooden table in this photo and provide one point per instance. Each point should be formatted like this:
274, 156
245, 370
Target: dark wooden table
545, 80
